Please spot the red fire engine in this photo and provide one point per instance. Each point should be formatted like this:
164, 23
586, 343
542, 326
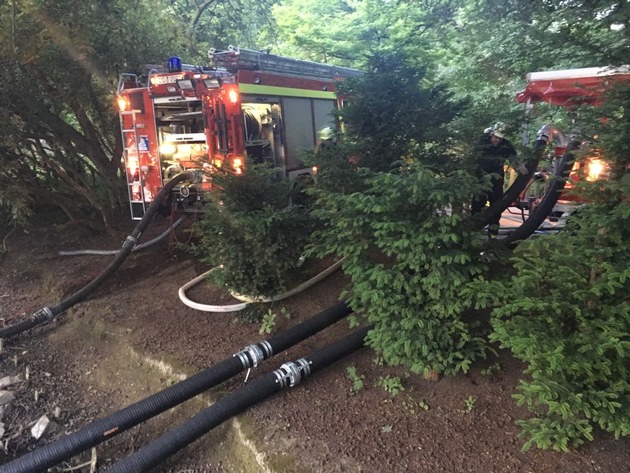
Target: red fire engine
179, 117
569, 88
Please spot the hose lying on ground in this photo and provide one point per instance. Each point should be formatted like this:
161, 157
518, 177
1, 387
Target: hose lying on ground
247, 300
107, 427
139, 247
289, 375
47, 314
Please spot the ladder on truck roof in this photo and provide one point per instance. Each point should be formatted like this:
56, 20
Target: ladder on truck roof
238, 58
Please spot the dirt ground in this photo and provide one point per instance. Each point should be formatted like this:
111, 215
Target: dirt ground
133, 336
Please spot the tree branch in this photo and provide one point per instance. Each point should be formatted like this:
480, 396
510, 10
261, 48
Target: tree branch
200, 10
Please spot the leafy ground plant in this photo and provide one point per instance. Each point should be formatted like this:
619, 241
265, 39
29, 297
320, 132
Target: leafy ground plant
391, 384
357, 379
268, 322
470, 403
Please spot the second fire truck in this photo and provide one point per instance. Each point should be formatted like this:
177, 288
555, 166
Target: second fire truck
569, 88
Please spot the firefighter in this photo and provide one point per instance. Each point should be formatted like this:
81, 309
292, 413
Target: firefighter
326, 138
492, 152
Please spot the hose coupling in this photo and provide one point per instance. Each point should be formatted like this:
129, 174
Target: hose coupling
291, 373
305, 366
250, 356
545, 133
44, 314
549, 132
130, 242
267, 348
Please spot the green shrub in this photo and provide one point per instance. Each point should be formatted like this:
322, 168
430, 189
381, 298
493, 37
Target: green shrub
395, 110
566, 314
251, 229
410, 250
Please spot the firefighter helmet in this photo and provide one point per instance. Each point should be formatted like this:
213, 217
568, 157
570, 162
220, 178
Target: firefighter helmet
498, 130
326, 133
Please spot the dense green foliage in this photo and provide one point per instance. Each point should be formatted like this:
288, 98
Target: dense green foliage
400, 221
219, 23
566, 314
60, 63
566, 310
408, 260
355, 31
383, 134
391, 228
253, 231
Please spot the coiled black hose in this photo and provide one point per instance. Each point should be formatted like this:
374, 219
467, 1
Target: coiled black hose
103, 429
255, 391
49, 313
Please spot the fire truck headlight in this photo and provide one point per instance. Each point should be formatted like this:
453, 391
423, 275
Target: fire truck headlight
123, 103
595, 169
233, 96
168, 149
237, 163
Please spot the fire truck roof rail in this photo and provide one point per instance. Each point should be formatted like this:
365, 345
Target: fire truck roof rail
235, 58
127, 81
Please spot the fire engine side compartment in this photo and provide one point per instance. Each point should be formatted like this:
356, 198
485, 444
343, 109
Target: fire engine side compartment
306, 106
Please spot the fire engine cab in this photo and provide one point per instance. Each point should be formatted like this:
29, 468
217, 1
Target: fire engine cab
177, 117
570, 88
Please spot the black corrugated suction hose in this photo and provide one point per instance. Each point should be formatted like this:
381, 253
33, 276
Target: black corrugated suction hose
493, 212
103, 429
255, 391
48, 313
542, 210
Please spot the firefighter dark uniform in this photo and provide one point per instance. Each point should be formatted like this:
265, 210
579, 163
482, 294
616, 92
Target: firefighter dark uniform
492, 152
